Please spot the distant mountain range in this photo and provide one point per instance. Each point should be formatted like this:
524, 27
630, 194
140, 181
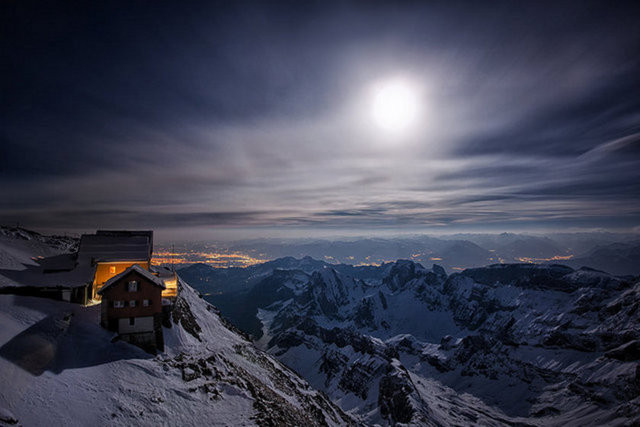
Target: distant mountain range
460, 251
619, 258
499, 345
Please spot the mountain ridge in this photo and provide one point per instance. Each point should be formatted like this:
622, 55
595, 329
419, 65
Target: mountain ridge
382, 348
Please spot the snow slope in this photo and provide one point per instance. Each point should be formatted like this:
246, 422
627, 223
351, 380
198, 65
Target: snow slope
58, 366
19, 246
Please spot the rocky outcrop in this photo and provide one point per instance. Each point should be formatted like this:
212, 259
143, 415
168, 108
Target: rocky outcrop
182, 315
628, 352
401, 273
398, 399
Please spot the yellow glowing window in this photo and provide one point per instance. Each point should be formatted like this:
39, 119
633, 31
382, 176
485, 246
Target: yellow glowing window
112, 269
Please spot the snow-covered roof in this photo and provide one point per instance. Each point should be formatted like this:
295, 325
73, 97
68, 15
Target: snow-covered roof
134, 268
34, 276
116, 246
58, 262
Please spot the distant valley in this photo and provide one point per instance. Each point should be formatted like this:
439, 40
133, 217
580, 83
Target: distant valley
614, 253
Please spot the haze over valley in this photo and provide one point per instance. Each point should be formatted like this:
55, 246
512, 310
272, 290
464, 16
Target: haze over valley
612, 252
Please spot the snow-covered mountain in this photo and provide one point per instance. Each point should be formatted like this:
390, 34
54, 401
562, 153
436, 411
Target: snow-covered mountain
238, 279
58, 366
234, 291
505, 344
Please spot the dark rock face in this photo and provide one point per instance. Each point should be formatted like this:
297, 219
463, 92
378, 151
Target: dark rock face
625, 309
446, 342
398, 399
270, 289
430, 293
328, 298
383, 300
402, 273
439, 270
591, 301
470, 346
364, 314
628, 352
441, 364
407, 345
470, 315
394, 401
332, 364
182, 314
358, 376
343, 338
580, 342
287, 340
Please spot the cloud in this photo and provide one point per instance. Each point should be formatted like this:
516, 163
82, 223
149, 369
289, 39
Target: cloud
626, 143
252, 116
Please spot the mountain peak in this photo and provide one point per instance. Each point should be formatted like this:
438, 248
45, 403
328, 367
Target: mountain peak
402, 272
439, 270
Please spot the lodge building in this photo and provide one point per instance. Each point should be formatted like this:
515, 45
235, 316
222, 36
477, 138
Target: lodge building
112, 252
113, 268
78, 277
132, 306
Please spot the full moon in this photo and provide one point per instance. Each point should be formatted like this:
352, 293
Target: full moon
395, 106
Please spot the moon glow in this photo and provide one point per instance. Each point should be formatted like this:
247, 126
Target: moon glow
395, 106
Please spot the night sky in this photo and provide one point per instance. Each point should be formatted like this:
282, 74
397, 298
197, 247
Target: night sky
254, 119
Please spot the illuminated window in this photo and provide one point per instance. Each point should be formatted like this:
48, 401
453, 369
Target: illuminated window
118, 304
132, 303
112, 269
133, 286
146, 302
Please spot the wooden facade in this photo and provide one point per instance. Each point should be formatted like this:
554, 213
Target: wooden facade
132, 306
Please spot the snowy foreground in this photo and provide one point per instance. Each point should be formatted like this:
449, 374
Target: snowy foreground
59, 367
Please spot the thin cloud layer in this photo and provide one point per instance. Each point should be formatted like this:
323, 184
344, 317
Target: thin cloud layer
254, 115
